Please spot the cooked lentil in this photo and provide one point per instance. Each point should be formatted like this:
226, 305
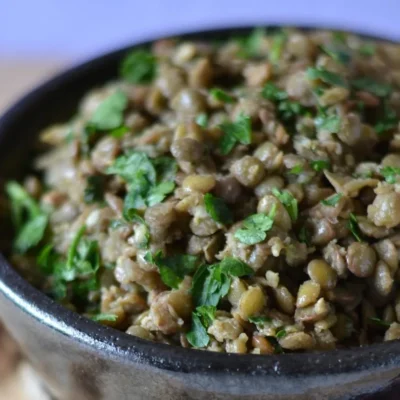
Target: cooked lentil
236, 197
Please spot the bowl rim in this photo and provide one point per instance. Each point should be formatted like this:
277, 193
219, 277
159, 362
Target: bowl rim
120, 346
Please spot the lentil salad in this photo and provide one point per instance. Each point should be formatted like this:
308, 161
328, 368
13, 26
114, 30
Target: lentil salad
237, 197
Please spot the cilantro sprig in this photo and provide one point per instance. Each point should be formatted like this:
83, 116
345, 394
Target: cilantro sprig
221, 95
320, 165
255, 227
354, 227
332, 200
235, 132
29, 220
325, 76
390, 174
202, 318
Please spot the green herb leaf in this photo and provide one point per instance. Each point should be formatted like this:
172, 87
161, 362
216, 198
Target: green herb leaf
367, 49
104, 317
158, 193
255, 227
277, 347
354, 228
197, 336
217, 209
338, 54
304, 236
94, 189
173, 268
320, 165
371, 85
379, 322
280, 334
235, 267
238, 131
29, 220
139, 66
119, 132
259, 320
289, 201
331, 123
326, 76
250, 45
221, 95
278, 43
110, 112
389, 120
332, 200
390, 174
202, 120
296, 170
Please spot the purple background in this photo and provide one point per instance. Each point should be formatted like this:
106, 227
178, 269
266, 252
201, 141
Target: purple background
76, 29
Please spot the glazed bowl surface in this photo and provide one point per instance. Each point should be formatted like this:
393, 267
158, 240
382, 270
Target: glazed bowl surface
82, 360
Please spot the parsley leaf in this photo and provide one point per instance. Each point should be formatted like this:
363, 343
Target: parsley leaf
371, 85
338, 54
212, 282
238, 131
139, 66
202, 120
250, 45
94, 189
354, 228
287, 109
367, 49
289, 201
296, 170
217, 209
389, 120
173, 268
390, 174
202, 318
304, 236
119, 132
29, 220
326, 76
221, 95
331, 123
320, 165
280, 334
255, 227
379, 322
332, 200
278, 43
158, 193
104, 317
110, 112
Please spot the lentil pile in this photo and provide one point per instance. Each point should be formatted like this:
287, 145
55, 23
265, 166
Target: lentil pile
240, 196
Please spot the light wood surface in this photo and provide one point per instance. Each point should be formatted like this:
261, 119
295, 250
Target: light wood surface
18, 380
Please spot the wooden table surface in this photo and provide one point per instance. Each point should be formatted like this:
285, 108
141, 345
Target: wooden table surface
18, 380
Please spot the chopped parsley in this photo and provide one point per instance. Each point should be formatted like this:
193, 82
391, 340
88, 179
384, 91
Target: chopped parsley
337, 53
320, 165
379, 322
212, 282
202, 318
287, 109
234, 132
139, 66
325, 76
173, 268
325, 122
217, 209
390, 174
278, 42
372, 86
29, 220
367, 49
255, 227
104, 317
109, 114
354, 228
94, 189
388, 120
304, 236
202, 120
289, 201
149, 180
250, 45
296, 170
280, 334
259, 321
220, 95
332, 200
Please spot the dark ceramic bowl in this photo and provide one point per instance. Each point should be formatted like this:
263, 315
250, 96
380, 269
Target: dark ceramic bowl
82, 360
